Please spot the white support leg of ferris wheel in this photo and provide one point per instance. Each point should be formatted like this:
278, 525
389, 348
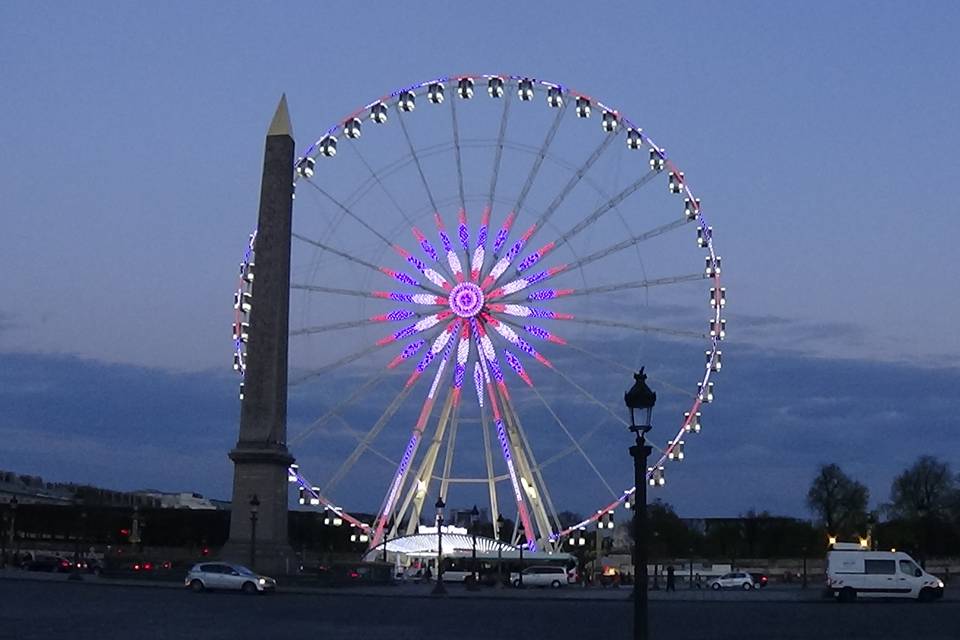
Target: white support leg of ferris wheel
450, 451
420, 487
485, 427
534, 466
527, 480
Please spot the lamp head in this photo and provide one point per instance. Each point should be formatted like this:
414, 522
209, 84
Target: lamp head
640, 397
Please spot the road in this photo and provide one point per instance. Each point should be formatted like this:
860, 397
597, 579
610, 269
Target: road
41, 610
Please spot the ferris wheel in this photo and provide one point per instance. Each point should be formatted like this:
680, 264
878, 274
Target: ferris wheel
479, 262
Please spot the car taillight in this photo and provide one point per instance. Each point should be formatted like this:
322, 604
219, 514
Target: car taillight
147, 566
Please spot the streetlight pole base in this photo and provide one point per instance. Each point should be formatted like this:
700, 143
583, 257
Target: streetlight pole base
439, 589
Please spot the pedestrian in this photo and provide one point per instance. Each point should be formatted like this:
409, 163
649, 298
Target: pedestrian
671, 586
699, 581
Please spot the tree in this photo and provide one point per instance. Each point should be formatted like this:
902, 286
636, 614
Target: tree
925, 490
839, 501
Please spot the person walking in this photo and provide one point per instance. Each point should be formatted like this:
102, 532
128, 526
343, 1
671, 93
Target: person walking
671, 586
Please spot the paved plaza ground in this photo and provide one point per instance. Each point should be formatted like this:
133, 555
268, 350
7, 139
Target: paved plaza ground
55, 608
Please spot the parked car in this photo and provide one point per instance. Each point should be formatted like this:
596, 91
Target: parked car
545, 576
49, 563
734, 580
759, 579
853, 572
222, 575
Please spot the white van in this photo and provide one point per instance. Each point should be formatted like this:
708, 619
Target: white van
853, 571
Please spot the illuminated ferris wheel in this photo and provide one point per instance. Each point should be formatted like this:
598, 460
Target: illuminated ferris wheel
479, 262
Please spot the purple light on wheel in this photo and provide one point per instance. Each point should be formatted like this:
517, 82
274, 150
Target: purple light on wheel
503, 233
482, 231
400, 314
400, 277
463, 232
466, 299
425, 244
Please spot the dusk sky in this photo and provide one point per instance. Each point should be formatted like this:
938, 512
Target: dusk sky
821, 138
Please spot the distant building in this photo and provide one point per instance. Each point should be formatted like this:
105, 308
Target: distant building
182, 500
33, 490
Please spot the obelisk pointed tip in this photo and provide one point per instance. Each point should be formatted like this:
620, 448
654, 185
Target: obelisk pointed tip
280, 125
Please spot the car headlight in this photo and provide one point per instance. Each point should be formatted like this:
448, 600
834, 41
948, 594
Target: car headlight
940, 584
262, 581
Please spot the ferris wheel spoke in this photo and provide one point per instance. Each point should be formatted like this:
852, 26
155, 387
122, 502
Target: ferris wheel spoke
541, 154
563, 453
399, 276
350, 213
597, 213
369, 437
642, 328
498, 149
376, 178
416, 160
336, 409
419, 326
456, 147
345, 360
573, 442
397, 315
553, 293
544, 218
589, 396
625, 244
523, 283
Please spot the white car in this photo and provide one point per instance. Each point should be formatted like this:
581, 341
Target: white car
734, 580
222, 575
545, 576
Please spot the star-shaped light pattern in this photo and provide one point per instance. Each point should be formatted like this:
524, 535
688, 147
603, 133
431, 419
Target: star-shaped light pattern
473, 297
477, 309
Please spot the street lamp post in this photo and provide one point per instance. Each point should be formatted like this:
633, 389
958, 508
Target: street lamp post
641, 397
522, 540
474, 518
803, 584
386, 533
14, 547
78, 535
500, 523
439, 589
254, 511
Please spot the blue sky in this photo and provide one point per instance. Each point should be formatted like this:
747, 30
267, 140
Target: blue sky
820, 137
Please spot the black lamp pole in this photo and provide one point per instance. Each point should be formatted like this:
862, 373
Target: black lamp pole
474, 518
14, 547
522, 540
385, 534
254, 510
439, 589
500, 523
641, 397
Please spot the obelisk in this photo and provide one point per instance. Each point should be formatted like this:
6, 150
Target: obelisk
261, 458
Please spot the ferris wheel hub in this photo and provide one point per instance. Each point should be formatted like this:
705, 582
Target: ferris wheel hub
466, 299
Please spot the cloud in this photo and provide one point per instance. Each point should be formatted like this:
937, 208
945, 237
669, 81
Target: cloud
778, 415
